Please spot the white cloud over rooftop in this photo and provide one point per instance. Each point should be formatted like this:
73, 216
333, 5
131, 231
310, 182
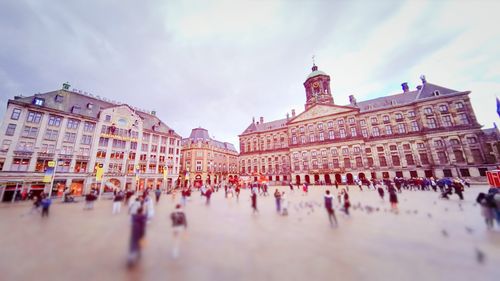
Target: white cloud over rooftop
216, 64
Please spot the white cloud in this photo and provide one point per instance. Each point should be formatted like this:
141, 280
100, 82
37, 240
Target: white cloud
218, 63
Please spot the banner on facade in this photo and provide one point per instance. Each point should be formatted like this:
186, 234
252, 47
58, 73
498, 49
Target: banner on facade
49, 173
99, 171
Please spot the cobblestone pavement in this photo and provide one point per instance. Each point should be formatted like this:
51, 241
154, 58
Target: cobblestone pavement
430, 239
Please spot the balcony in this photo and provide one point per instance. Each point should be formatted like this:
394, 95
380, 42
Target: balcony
82, 157
49, 155
23, 152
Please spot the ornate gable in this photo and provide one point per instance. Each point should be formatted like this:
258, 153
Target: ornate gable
320, 110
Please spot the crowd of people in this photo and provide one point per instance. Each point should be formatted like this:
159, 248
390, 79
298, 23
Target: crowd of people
141, 205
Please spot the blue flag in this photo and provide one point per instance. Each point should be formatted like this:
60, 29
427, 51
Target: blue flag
498, 107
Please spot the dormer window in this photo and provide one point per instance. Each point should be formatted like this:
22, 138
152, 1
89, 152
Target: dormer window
90, 105
75, 109
38, 101
435, 93
58, 98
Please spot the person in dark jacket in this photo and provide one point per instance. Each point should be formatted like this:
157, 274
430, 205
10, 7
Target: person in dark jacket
46, 202
458, 188
277, 197
157, 194
179, 225
329, 208
136, 236
380, 191
254, 202
393, 198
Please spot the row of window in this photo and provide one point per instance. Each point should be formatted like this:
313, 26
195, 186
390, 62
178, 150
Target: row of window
374, 120
54, 121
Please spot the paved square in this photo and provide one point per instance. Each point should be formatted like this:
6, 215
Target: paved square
431, 239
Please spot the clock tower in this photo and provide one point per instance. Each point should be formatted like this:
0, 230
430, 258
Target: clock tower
317, 87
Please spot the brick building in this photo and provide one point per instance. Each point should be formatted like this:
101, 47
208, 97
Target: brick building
206, 160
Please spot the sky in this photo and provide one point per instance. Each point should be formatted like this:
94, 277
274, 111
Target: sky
217, 64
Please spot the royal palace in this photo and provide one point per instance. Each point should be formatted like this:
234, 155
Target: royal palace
429, 131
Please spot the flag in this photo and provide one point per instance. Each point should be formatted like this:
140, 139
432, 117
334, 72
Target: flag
99, 172
498, 107
49, 173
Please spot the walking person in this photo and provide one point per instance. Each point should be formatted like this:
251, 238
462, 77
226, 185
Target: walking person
291, 186
347, 202
89, 200
137, 236
46, 202
284, 205
393, 198
184, 195
208, 194
458, 188
277, 197
134, 205
237, 190
488, 207
157, 194
117, 202
336, 185
254, 202
149, 206
37, 202
381, 192
304, 189
179, 225
358, 182
329, 208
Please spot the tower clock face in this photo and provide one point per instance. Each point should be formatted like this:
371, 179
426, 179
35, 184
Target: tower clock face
316, 84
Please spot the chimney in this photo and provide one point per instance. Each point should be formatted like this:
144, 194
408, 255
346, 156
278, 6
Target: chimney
405, 87
422, 77
287, 116
253, 120
261, 120
293, 113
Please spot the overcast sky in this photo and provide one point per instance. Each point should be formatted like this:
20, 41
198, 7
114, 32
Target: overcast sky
216, 64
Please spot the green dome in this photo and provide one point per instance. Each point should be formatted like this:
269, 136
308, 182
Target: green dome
316, 73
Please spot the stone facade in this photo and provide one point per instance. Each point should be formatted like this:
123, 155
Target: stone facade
430, 131
78, 132
207, 161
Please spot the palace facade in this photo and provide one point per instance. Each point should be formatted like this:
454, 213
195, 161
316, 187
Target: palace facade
206, 160
77, 132
429, 131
